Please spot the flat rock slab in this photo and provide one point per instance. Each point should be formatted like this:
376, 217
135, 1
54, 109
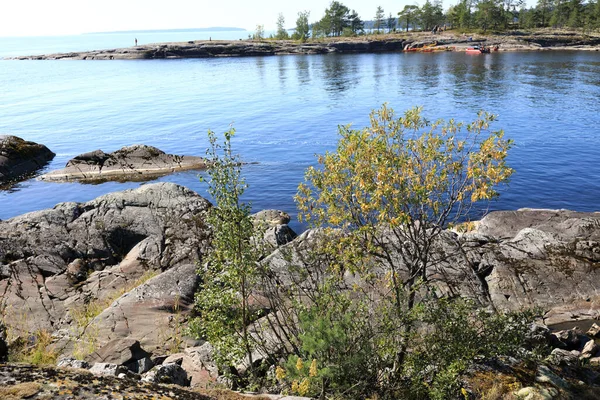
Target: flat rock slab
137, 162
20, 158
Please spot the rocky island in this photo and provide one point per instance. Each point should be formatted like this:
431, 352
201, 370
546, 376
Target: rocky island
443, 41
137, 162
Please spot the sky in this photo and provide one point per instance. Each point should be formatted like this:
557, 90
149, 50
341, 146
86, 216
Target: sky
68, 17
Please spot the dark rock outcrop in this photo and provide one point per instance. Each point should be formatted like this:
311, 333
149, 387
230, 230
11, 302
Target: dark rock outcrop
149, 313
167, 373
20, 158
543, 258
3, 345
137, 162
271, 218
197, 362
512, 260
126, 352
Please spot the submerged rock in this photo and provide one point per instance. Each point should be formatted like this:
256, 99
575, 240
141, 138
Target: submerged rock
137, 162
20, 158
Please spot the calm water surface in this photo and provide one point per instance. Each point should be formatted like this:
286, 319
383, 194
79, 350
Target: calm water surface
287, 108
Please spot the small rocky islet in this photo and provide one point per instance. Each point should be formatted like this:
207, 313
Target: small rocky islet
20, 160
135, 255
137, 162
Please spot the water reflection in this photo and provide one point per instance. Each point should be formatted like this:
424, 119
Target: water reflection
260, 67
429, 73
337, 72
282, 68
302, 69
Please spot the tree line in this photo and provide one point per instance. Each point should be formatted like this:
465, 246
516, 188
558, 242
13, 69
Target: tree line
485, 15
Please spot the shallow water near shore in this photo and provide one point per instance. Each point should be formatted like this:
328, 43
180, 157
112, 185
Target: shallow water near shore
287, 108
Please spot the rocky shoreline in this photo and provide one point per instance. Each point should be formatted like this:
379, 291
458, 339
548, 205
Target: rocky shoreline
445, 41
112, 282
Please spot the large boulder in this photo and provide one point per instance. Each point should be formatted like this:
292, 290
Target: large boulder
271, 218
137, 162
126, 352
544, 258
167, 373
55, 264
512, 260
198, 363
20, 158
272, 228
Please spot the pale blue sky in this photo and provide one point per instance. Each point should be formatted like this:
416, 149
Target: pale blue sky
65, 17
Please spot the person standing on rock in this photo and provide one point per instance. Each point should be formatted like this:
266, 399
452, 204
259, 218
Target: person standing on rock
136, 41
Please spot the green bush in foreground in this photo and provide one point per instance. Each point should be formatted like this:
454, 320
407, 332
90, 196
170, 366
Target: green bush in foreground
358, 315
229, 273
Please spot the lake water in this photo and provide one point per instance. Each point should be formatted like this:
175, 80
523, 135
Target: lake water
286, 109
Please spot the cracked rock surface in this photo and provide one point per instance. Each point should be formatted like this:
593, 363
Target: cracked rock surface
512, 260
57, 261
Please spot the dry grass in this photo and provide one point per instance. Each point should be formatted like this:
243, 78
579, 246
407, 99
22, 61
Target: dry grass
224, 394
494, 386
85, 314
20, 391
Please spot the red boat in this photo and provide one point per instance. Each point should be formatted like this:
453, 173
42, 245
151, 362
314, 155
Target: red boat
477, 50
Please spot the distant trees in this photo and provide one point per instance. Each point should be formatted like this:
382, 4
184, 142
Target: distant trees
408, 15
357, 26
391, 23
484, 15
431, 14
338, 21
507, 14
259, 33
379, 16
489, 14
302, 31
282, 33
543, 10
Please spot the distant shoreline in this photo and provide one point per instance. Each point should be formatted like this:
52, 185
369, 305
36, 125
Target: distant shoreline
396, 42
213, 29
